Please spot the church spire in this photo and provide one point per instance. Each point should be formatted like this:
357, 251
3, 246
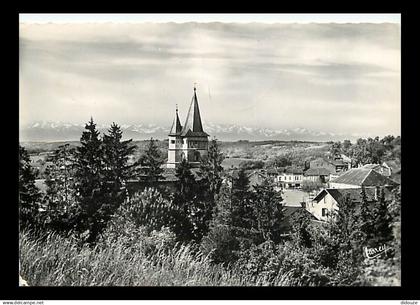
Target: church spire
193, 120
176, 125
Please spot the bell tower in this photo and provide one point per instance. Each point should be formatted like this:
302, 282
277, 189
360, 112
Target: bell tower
175, 142
188, 142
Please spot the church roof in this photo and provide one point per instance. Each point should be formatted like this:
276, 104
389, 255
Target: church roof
176, 125
193, 126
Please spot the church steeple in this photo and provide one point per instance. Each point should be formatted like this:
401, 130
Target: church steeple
193, 123
176, 125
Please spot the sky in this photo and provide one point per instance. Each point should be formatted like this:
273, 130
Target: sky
279, 71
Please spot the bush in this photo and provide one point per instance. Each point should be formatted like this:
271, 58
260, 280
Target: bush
310, 186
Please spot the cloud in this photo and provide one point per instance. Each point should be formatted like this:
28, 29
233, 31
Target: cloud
268, 75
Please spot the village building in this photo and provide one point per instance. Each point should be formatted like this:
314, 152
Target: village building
358, 177
380, 169
188, 142
290, 177
395, 168
318, 175
334, 166
328, 200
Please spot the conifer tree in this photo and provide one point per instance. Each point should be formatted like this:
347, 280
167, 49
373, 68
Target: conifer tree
29, 195
186, 180
151, 162
366, 217
94, 210
241, 206
117, 170
60, 198
211, 169
267, 212
382, 219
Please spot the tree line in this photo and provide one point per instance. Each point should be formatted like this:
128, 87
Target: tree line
371, 150
218, 213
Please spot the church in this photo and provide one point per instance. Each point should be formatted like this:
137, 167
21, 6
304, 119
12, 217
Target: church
188, 142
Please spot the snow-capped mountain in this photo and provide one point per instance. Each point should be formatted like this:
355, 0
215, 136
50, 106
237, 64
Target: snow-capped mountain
62, 131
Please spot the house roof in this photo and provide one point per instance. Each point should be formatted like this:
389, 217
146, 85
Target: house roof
193, 126
293, 170
319, 171
354, 194
371, 166
363, 176
393, 165
288, 212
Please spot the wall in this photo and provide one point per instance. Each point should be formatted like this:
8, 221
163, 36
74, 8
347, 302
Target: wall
315, 208
343, 186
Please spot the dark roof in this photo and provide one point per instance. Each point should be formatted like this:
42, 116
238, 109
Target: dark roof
193, 126
294, 170
288, 212
176, 125
354, 194
363, 176
319, 171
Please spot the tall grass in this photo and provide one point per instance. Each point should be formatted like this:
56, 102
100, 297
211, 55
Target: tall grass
58, 261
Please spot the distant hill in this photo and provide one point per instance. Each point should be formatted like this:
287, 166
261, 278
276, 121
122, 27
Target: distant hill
58, 131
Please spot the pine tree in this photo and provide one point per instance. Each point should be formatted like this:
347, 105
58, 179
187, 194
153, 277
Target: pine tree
94, 211
382, 219
241, 206
222, 240
60, 198
211, 169
366, 217
151, 163
267, 212
29, 194
116, 157
186, 180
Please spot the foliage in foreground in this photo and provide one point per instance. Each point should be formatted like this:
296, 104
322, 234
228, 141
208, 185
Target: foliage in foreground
59, 261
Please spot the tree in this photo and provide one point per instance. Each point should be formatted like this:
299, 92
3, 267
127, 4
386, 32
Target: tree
300, 223
186, 180
222, 240
310, 186
267, 212
94, 210
281, 161
366, 217
29, 195
335, 149
382, 219
211, 169
60, 199
151, 162
346, 146
117, 170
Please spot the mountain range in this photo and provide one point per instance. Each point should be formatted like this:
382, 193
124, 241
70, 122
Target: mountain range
48, 131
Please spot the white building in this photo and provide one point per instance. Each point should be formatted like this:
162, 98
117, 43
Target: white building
329, 200
188, 142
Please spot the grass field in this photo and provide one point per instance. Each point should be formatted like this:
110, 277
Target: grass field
58, 261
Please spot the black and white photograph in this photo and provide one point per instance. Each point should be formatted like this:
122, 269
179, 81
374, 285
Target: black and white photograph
209, 150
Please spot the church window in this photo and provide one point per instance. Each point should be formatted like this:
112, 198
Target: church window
172, 141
